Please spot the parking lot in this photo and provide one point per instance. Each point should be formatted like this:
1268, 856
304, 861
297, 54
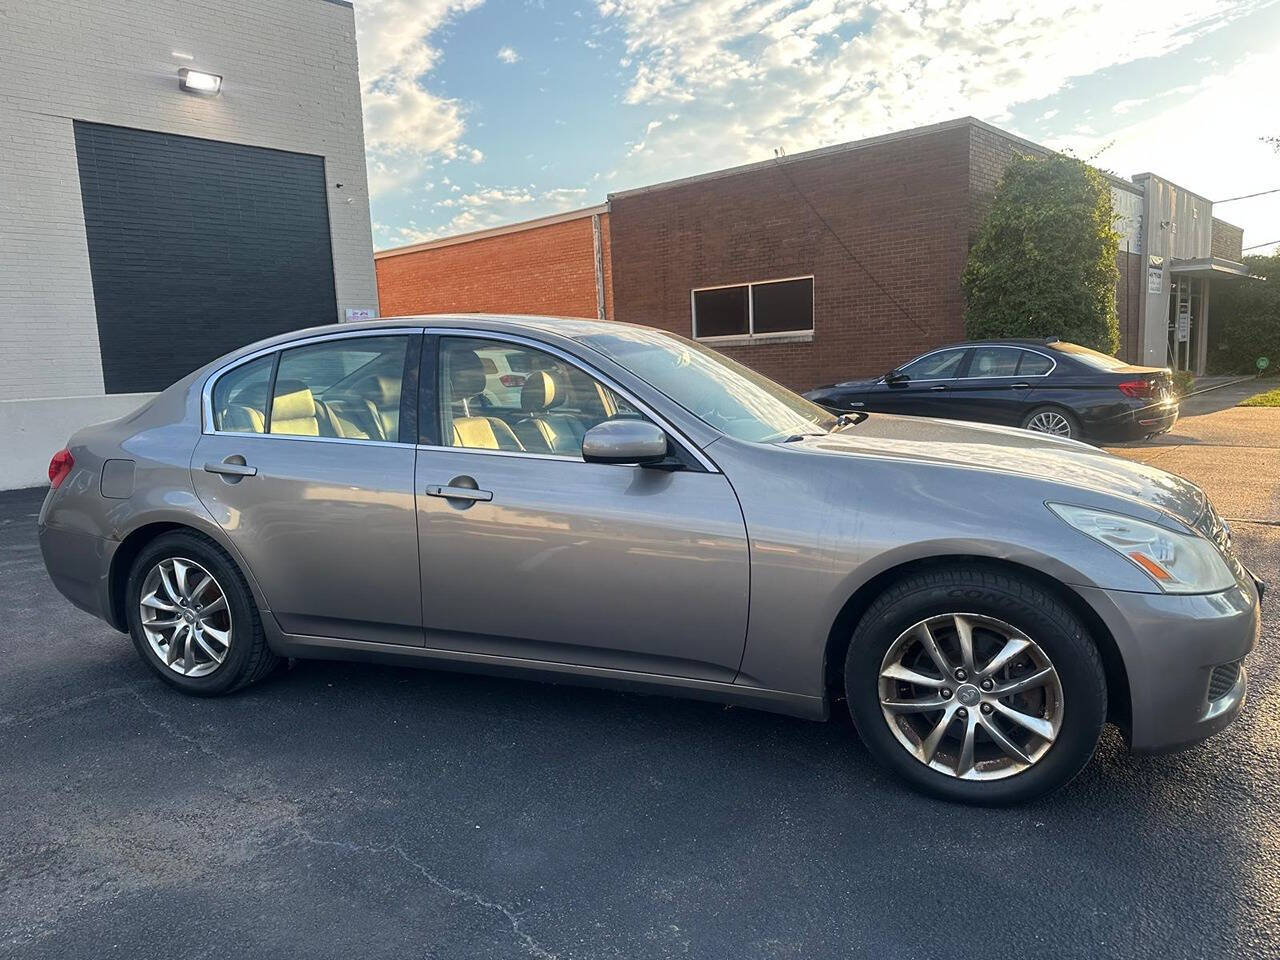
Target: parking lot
344, 810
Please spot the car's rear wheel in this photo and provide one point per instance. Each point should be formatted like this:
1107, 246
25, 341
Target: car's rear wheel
976, 684
1054, 421
192, 617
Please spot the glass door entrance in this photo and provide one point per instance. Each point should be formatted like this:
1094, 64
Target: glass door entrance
1184, 320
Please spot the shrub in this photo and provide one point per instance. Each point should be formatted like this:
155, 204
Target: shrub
1044, 264
1244, 319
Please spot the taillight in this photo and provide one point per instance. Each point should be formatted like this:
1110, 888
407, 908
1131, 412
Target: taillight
1135, 388
59, 467
512, 380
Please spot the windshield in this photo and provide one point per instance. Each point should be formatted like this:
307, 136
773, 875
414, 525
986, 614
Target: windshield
730, 397
1099, 361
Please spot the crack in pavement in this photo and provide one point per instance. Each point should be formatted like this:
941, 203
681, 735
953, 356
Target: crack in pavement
63, 706
535, 949
170, 727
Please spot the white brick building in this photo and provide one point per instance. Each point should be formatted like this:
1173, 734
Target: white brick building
143, 229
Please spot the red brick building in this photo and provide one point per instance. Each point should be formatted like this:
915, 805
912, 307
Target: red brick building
557, 266
820, 266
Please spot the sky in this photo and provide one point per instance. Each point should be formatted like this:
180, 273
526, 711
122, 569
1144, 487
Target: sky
485, 112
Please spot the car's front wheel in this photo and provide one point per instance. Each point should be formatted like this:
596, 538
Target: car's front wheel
976, 684
192, 617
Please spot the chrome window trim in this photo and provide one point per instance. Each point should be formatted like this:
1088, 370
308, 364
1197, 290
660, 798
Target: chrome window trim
206, 390
524, 341
972, 346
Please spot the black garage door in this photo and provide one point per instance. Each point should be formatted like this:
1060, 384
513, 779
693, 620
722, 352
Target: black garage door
197, 247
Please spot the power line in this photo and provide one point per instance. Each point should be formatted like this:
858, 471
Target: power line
777, 160
1260, 193
1257, 245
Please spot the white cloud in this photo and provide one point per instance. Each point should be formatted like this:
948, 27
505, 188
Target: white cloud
508, 55
1125, 106
804, 73
405, 122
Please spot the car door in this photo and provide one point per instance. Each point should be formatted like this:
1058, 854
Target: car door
530, 552
919, 388
306, 463
990, 389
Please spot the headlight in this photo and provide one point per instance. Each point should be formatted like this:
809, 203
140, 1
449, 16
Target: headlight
1177, 562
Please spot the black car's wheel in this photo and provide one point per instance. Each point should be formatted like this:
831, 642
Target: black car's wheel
192, 617
976, 685
1055, 421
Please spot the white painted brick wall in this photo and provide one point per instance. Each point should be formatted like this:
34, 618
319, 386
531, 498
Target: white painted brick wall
291, 82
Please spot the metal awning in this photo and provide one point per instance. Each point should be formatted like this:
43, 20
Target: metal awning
1210, 268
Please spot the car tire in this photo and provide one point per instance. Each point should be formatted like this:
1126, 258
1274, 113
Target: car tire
1040, 418
246, 657
988, 595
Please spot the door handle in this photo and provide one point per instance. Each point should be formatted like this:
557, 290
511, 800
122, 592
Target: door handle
229, 468
941, 386
1020, 386
460, 493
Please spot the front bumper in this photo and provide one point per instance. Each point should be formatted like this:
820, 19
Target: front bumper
1182, 656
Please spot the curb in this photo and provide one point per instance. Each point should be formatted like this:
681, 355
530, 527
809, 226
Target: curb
1216, 386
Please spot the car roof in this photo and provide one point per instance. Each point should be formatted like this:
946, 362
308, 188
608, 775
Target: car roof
1008, 342
565, 326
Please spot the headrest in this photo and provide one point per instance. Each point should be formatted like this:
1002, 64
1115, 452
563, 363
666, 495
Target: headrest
541, 391
466, 374
383, 391
293, 401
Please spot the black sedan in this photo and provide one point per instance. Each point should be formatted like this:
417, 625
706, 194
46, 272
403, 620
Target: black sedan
1047, 385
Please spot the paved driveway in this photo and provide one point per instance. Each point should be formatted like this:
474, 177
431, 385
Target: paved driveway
359, 811
1232, 452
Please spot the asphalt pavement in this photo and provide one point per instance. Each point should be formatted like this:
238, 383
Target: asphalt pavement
341, 810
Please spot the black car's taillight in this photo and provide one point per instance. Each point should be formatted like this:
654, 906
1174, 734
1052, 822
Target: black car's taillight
1136, 388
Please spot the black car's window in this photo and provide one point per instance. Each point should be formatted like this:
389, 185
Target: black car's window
993, 362
348, 388
240, 397
1034, 364
935, 366
546, 409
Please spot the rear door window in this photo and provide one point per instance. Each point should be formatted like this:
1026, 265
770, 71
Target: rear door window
990, 362
240, 397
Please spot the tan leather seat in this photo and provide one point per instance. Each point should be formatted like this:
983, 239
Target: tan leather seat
541, 429
239, 418
382, 397
467, 381
293, 411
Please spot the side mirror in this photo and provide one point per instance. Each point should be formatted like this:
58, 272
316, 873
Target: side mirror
895, 376
624, 441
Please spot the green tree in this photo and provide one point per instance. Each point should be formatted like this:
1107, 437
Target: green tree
1244, 319
1044, 264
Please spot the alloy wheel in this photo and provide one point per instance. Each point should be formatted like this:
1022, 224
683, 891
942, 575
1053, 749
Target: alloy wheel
185, 617
971, 696
1050, 422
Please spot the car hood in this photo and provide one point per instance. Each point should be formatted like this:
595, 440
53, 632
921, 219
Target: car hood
1009, 450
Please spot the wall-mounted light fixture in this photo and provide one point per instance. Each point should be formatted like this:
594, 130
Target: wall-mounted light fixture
196, 81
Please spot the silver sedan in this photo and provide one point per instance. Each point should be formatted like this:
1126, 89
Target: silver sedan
644, 512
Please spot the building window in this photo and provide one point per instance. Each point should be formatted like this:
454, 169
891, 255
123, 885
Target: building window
770, 308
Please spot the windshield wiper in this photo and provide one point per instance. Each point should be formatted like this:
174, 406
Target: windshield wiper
800, 436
